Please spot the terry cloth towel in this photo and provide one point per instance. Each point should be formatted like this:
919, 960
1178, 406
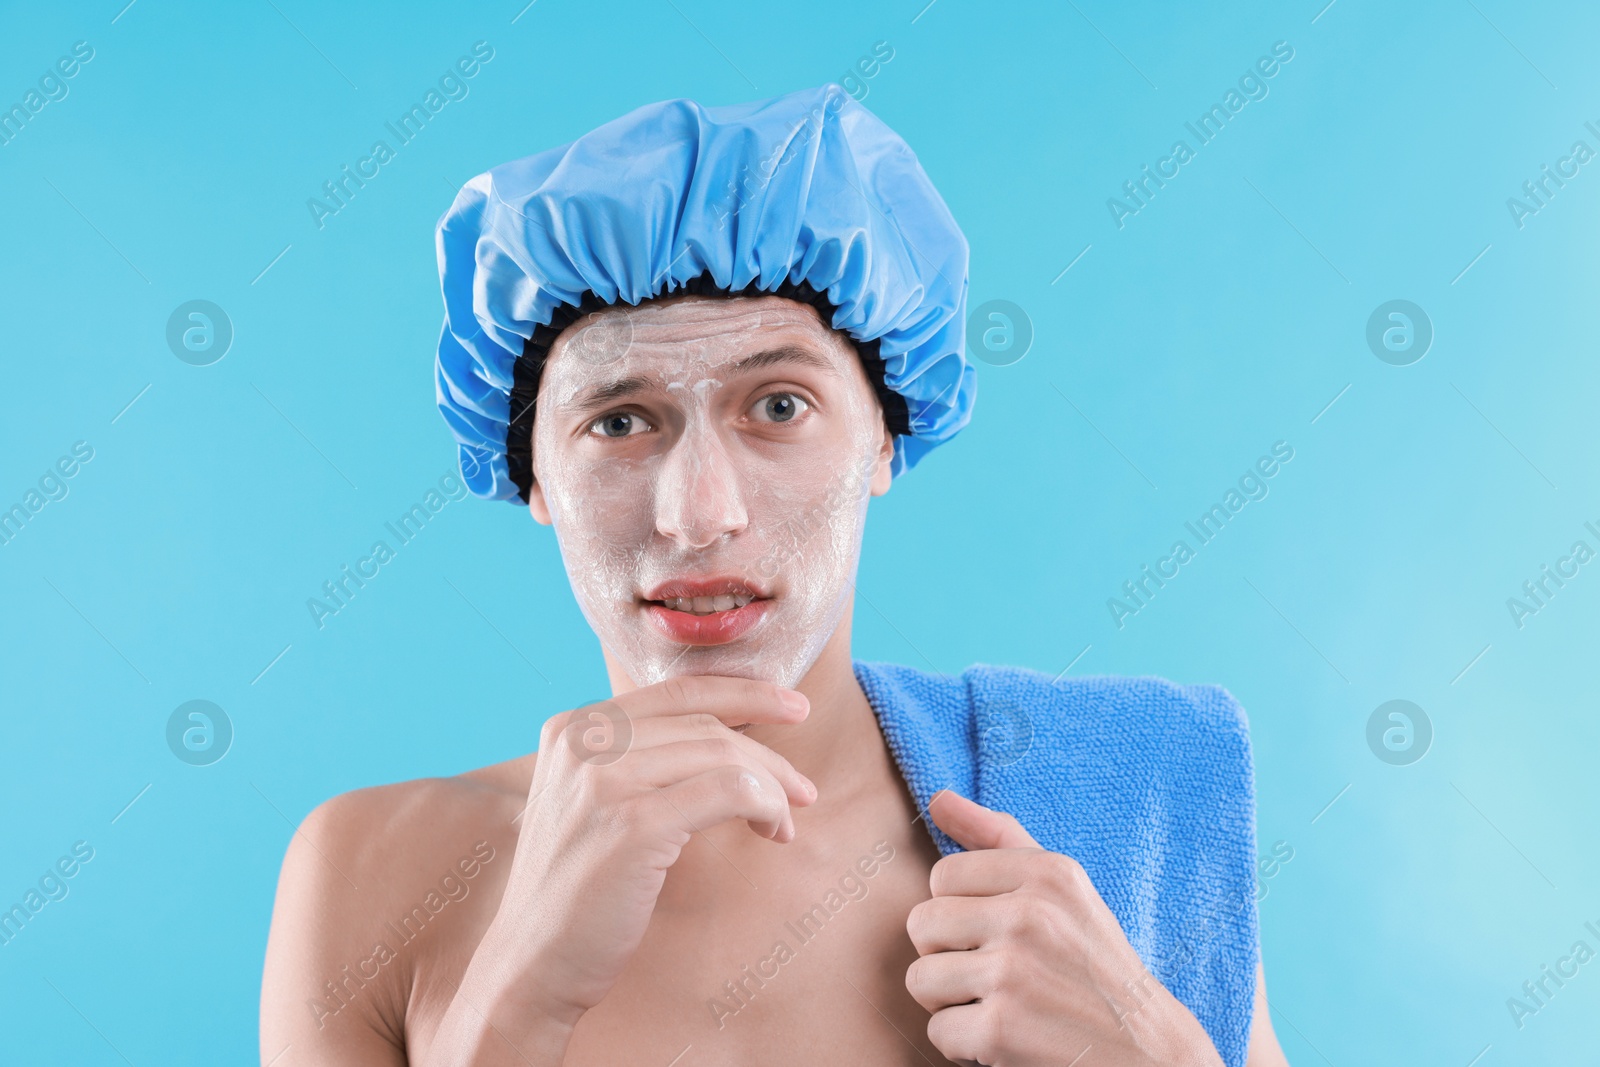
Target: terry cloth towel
1149, 785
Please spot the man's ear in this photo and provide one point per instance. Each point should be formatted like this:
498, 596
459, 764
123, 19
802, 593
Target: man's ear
536, 504
884, 474
538, 507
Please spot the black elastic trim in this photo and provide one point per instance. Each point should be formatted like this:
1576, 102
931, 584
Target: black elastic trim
530, 365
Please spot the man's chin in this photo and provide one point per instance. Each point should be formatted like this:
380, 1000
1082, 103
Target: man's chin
736, 659
770, 651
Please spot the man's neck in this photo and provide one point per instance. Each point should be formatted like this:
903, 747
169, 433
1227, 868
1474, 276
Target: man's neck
839, 744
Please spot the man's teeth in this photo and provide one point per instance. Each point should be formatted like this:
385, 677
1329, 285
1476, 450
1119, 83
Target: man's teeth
706, 605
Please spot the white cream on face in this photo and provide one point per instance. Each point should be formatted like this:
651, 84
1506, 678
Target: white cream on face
706, 481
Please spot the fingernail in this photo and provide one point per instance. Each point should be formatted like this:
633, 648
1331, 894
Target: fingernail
794, 700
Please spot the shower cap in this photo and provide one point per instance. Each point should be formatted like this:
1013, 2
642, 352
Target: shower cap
806, 195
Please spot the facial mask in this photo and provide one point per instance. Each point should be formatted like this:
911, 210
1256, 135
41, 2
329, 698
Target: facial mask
725, 478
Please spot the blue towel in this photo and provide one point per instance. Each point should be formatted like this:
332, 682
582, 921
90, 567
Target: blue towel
1149, 785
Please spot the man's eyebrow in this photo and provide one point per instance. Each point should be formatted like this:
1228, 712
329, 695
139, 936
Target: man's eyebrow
785, 354
605, 394
624, 387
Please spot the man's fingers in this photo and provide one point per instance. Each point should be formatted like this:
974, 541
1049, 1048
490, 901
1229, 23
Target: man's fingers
973, 826
945, 979
672, 729
677, 738
982, 874
667, 764
712, 797
611, 727
961, 1032
735, 701
952, 924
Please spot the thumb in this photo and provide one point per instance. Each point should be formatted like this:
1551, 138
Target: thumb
973, 826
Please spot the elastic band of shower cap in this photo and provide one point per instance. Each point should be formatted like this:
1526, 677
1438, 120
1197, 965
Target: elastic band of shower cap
807, 195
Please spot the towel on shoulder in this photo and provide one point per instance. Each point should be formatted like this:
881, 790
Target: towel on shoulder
1148, 784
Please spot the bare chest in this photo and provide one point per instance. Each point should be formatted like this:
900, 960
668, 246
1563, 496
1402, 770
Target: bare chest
781, 962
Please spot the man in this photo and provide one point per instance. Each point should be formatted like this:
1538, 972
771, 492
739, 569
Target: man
696, 342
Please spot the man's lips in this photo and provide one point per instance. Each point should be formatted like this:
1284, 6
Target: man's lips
709, 586
717, 628
706, 611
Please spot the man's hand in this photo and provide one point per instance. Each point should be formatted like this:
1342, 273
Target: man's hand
1023, 964
618, 790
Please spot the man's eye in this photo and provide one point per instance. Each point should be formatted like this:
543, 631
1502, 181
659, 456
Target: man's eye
779, 407
618, 424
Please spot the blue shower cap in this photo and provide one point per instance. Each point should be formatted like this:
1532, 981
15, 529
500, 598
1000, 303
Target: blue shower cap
807, 195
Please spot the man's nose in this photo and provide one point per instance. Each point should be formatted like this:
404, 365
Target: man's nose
700, 497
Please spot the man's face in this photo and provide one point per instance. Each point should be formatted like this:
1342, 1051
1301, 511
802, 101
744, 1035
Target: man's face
706, 464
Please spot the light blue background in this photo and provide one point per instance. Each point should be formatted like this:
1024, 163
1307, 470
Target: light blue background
1225, 316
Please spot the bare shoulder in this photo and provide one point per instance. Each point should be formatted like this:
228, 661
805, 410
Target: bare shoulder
377, 885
